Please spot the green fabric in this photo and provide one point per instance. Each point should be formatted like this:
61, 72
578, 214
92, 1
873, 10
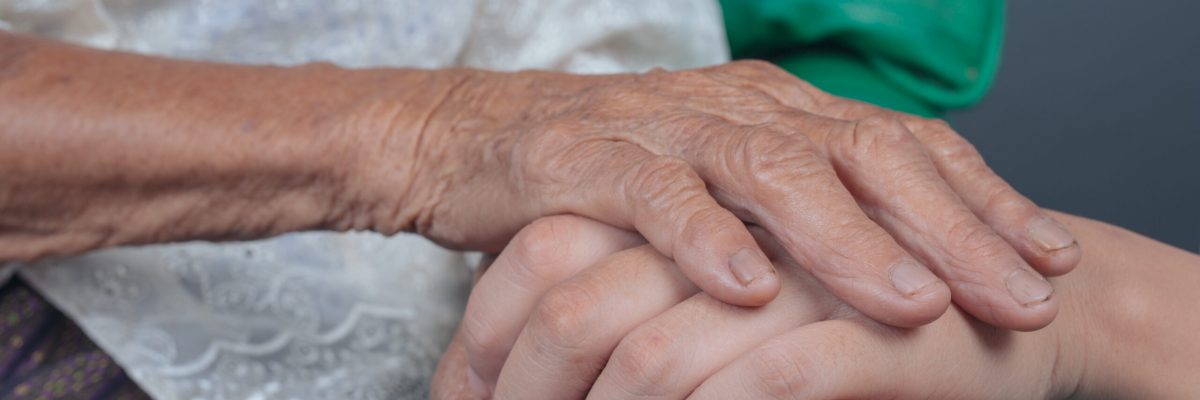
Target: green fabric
919, 56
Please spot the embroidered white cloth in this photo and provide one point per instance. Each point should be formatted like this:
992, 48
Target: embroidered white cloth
321, 315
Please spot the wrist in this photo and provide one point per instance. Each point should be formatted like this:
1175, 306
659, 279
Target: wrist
1135, 333
428, 141
398, 125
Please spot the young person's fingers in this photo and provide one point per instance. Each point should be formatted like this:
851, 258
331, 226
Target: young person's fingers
954, 357
577, 324
668, 356
542, 255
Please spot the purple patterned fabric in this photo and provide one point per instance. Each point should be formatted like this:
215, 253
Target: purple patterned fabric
43, 355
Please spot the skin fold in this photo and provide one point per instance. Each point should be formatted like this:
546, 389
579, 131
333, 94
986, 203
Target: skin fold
893, 214
628, 325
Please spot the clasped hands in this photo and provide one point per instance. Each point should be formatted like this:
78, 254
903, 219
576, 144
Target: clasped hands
865, 223
874, 215
893, 214
575, 308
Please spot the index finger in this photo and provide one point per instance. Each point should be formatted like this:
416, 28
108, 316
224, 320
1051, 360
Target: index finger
786, 184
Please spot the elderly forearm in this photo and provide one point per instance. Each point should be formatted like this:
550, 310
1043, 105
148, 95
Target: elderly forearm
104, 148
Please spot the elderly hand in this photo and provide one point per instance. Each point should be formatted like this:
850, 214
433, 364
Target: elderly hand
630, 326
867, 200
876, 205
871, 201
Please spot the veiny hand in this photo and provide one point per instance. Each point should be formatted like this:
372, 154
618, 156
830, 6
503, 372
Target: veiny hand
631, 326
102, 149
684, 157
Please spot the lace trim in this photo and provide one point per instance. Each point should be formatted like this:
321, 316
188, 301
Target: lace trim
279, 342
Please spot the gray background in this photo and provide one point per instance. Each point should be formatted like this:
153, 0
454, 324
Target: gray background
1096, 111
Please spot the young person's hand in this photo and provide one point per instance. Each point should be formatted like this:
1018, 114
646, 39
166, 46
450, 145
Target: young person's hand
630, 326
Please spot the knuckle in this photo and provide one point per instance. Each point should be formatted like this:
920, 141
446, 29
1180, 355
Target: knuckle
930, 126
947, 145
840, 107
645, 361
707, 225
1004, 200
877, 138
775, 79
816, 96
774, 159
960, 152
779, 374
481, 339
973, 237
542, 247
567, 317
934, 127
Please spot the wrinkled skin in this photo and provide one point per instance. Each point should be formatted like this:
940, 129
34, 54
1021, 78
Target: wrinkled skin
868, 200
894, 214
627, 324
851, 190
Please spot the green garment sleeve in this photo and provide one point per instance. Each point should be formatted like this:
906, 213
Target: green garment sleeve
919, 56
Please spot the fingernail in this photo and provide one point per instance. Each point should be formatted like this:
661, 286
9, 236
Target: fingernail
748, 265
476, 384
909, 277
1028, 288
1049, 235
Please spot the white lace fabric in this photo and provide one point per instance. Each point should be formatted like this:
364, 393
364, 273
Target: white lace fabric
321, 315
